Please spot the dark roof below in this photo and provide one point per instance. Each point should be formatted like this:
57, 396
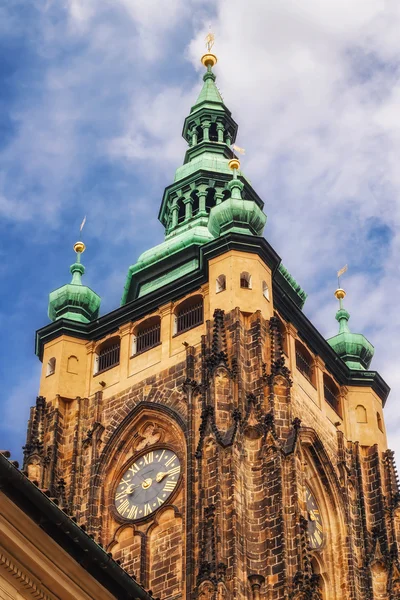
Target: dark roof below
67, 534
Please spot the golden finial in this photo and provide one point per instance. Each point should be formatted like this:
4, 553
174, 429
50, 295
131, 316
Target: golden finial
79, 247
340, 294
234, 163
209, 59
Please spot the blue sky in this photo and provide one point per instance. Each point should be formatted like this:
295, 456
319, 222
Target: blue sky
93, 94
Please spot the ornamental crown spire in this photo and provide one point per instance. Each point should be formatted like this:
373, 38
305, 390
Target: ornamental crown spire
74, 300
209, 197
353, 348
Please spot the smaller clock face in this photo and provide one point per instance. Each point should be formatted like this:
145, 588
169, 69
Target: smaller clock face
315, 529
147, 484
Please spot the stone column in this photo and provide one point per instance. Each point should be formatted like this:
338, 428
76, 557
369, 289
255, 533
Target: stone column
193, 134
174, 211
124, 351
256, 581
319, 379
166, 331
291, 333
202, 203
188, 202
206, 130
220, 131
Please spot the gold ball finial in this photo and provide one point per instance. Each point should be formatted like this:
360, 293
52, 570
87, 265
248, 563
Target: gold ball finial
79, 247
340, 294
209, 59
234, 163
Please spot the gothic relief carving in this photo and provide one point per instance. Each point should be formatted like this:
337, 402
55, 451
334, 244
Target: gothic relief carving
206, 591
34, 469
379, 580
222, 393
149, 434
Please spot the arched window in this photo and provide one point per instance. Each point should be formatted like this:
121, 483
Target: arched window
189, 314
51, 367
220, 284
147, 335
107, 355
331, 393
213, 134
245, 280
379, 421
304, 362
72, 364
199, 134
181, 211
195, 205
361, 414
265, 290
210, 199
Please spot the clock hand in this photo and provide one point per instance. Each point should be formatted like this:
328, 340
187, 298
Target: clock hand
160, 476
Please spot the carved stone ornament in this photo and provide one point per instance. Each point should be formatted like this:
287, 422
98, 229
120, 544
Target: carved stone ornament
149, 434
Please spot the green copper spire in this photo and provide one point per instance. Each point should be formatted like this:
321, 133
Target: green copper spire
209, 95
74, 300
204, 201
236, 214
353, 348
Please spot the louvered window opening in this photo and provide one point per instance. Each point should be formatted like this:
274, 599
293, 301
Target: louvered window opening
331, 397
109, 357
189, 317
148, 338
244, 283
303, 365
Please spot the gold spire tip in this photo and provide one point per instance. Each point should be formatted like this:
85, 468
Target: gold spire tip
234, 163
209, 59
340, 294
79, 247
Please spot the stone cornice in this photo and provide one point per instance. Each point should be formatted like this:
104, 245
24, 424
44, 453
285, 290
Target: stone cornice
24, 579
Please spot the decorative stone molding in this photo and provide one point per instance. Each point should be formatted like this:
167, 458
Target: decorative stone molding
23, 578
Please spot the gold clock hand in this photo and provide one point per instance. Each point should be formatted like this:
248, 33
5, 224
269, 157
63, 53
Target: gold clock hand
160, 476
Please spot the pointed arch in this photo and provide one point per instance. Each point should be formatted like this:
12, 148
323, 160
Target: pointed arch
321, 478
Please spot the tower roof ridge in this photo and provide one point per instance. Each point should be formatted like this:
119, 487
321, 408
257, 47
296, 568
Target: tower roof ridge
209, 94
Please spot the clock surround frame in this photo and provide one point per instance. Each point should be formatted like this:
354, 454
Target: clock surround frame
122, 470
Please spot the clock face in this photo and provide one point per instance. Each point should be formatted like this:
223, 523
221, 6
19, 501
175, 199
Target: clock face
147, 484
315, 529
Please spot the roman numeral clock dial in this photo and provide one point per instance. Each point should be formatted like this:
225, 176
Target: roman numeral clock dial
315, 528
147, 484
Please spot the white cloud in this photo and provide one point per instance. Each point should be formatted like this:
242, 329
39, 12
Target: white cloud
315, 89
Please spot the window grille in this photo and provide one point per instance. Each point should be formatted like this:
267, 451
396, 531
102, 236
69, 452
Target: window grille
331, 394
189, 317
109, 357
148, 338
303, 363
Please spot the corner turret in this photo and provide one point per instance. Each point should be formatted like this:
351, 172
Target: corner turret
74, 300
353, 348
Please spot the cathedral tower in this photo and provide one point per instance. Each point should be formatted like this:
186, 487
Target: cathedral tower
205, 432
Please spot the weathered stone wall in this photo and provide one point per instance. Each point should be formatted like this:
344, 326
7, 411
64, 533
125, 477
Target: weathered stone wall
251, 435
